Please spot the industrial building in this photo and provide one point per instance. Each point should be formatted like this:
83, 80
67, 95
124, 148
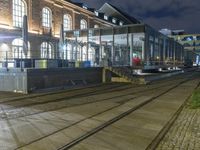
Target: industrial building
43, 40
121, 45
45, 31
190, 42
44, 22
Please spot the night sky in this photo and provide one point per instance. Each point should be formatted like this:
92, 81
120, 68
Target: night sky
172, 14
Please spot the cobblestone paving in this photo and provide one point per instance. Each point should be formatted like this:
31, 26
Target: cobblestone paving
185, 132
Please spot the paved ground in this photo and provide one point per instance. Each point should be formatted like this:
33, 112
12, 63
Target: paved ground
8, 95
136, 131
185, 132
49, 122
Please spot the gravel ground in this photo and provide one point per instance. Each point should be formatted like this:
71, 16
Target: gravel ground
185, 132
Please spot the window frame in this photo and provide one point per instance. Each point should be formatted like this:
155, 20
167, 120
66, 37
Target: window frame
46, 17
19, 9
67, 22
83, 24
46, 50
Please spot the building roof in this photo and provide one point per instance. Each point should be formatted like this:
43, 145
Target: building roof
114, 11
111, 11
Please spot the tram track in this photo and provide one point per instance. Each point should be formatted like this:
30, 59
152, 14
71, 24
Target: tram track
115, 119
83, 93
92, 91
169, 124
74, 93
93, 131
63, 106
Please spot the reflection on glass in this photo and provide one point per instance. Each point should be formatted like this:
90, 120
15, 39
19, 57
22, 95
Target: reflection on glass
121, 49
138, 49
106, 47
126, 45
94, 47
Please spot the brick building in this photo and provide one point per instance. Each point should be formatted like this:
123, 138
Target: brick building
44, 22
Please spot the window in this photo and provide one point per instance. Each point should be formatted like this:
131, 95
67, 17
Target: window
67, 22
46, 17
69, 52
114, 20
17, 48
121, 23
84, 53
19, 10
96, 13
46, 50
91, 54
83, 24
105, 17
85, 7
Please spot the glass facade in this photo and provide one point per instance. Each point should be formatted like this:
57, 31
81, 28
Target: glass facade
133, 45
94, 54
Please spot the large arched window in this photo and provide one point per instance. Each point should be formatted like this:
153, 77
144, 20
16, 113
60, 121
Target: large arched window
17, 48
67, 22
83, 24
19, 10
46, 50
46, 17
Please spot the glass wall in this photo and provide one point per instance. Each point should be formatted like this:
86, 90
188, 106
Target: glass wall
161, 49
121, 48
71, 43
80, 52
107, 47
94, 52
134, 45
138, 49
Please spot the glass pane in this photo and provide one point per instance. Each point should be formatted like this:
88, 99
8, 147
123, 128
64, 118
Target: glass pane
94, 47
106, 47
121, 49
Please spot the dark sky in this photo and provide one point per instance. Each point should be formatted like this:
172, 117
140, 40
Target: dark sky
172, 14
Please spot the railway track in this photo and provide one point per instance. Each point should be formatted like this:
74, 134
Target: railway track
109, 122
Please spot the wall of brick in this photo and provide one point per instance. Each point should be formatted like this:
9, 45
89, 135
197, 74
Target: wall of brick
34, 13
